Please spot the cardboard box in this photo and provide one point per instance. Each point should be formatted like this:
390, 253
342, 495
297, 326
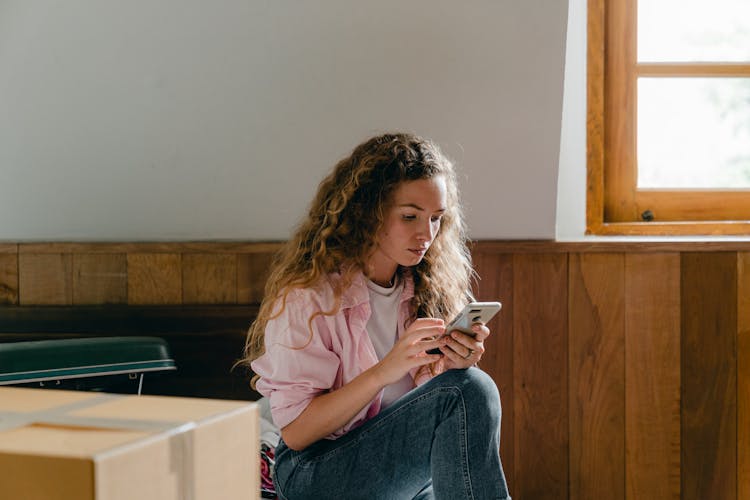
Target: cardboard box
83, 445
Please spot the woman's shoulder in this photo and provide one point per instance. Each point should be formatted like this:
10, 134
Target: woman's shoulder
321, 293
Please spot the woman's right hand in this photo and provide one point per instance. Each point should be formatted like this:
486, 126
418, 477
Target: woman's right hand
409, 351
331, 410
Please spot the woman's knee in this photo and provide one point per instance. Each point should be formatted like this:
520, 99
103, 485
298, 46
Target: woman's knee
476, 387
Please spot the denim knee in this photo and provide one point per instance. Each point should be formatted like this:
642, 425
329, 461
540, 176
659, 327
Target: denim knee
476, 388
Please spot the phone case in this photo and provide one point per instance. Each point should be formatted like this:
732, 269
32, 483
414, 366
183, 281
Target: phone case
474, 312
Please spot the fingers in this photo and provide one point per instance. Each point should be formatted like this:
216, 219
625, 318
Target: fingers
463, 349
406, 355
425, 359
422, 322
426, 347
480, 331
456, 360
425, 329
422, 335
465, 346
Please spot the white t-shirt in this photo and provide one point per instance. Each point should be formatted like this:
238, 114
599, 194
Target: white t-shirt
382, 327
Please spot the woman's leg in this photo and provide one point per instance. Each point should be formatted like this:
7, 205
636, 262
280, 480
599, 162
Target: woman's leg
445, 432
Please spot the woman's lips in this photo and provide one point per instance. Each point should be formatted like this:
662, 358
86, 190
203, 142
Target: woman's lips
418, 251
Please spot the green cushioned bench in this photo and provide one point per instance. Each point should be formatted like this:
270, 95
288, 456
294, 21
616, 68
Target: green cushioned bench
55, 360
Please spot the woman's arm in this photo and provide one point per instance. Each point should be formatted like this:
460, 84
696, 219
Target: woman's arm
330, 411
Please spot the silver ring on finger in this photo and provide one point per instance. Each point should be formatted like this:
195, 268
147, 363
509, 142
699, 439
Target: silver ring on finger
468, 354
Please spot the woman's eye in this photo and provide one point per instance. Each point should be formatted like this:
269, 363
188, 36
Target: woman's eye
436, 218
408, 217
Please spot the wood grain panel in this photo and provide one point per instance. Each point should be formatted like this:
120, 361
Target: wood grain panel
8, 278
595, 54
100, 279
553, 352
602, 245
709, 375
496, 283
154, 278
209, 279
625, 245
540, 375
45, 279
743, 375
145, 247
597, 376
252, 273
652, 376
619, 105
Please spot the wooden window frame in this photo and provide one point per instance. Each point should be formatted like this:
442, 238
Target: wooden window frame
614, 205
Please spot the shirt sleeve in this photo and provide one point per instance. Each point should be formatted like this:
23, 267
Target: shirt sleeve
298, 364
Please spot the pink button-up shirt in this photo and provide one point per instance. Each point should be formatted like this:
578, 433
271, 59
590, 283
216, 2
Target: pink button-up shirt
297, 367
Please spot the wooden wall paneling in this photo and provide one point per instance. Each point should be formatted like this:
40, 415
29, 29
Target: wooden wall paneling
154, 278
743, 375
596, 337
252, 272
209, 278
652, 375
175, 247
100, 279
550, 421
8, 278
709, 375
496, 283
540, 375
45, 279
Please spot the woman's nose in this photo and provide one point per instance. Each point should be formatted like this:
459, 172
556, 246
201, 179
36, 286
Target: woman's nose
425, 232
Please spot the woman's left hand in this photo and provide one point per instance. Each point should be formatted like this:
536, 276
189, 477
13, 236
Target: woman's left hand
462, 350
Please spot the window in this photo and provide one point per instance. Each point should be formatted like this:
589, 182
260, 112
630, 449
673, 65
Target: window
668, 117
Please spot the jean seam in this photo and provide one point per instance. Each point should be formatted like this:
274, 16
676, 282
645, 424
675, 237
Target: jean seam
277, 487
310, 462
464, 450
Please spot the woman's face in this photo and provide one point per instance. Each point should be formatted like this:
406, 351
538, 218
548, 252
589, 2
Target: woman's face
410, 226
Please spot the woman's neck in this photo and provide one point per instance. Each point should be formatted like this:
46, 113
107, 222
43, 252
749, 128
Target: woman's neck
381, 271
384, 277
383, 283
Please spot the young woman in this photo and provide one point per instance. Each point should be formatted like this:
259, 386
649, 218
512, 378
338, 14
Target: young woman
354, 300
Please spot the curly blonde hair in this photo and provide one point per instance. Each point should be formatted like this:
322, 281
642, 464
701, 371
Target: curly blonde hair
338, 234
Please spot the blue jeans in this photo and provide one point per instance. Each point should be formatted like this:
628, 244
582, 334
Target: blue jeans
441, 440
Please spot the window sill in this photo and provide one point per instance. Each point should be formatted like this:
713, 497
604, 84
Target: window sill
626, 244
711, 229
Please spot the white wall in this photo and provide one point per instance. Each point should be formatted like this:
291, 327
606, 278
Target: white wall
192, 120
571, 193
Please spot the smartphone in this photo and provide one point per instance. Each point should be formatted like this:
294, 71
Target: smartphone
474, 312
